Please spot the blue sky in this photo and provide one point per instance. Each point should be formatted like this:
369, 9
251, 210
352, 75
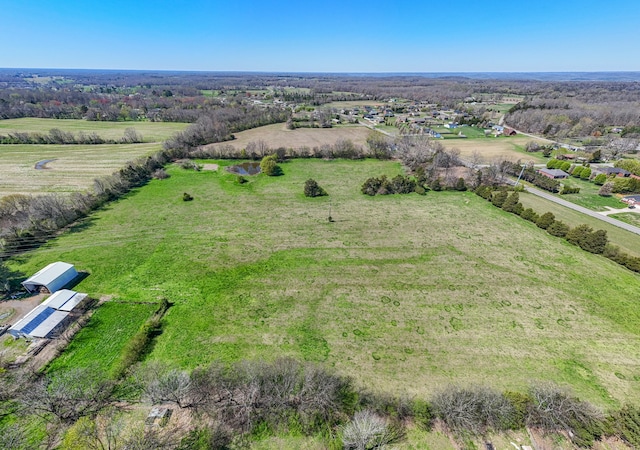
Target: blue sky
322, 36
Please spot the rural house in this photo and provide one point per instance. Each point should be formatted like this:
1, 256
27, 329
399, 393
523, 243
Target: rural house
52, 278
553, 173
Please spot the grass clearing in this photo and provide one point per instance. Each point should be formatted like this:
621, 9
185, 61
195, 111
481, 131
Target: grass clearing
99, 344
628, 217
150, 131
626, 240
406, 294
588, 196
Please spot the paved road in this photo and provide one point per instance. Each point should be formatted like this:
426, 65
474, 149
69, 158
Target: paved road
583, 210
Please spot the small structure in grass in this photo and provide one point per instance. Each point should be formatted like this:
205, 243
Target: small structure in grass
187, 197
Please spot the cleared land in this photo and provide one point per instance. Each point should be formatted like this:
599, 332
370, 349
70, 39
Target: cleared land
150, 131
277, 135
404, 293
71, 168
493, 149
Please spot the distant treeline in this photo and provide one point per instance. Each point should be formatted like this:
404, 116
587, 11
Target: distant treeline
57, 136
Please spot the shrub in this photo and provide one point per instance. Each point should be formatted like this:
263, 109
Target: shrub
558, 228
367, 430
499, 198
460, 185
554, 410
606, 190
187, 197
600, 179
586, 173
565, 166
312, 189
577, 171
625, 424
473, 410
569, 190
269, 166
160, 174
530, 215
241, 180
545, 220
511, 203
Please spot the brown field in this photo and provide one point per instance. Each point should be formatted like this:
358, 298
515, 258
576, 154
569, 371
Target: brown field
495, 149
278, 136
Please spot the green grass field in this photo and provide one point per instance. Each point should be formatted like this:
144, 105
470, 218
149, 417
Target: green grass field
404, 293
150, 131
588, 196
99, 344
628, 217
626, 240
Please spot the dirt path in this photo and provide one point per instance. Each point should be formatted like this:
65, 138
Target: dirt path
19, 307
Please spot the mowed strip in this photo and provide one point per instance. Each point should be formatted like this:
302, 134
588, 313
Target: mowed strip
406, 293
71, 168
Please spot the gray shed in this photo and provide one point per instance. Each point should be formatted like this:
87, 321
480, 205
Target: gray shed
52, 278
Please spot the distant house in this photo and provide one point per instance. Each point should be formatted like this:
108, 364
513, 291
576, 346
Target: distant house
509, 131
554, 174
451, 125
52, 278
614, 171
631, 200
50, 316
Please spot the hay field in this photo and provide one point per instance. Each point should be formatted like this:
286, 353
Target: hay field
496, 149
404, 293
277, 135
72, 167
150, 131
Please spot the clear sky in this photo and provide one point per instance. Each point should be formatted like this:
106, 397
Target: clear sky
322, 36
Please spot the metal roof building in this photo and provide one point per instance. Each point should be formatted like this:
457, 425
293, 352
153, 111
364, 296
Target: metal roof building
48, 317
52, 278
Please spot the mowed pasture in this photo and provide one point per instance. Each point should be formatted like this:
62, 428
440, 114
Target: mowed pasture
71, 168
150, 131
626, 240
277, 135
405, 293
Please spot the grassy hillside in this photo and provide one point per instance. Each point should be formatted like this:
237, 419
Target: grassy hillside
404, 293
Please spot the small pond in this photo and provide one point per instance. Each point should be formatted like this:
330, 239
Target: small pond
247, 168
41, 165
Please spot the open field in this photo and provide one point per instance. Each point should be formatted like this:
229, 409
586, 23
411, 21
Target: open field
277, 135
496, 149
106, 334
626, 240
71, 168
404, 293
150, 131
354, 104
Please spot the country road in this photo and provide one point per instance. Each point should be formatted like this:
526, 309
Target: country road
612, 221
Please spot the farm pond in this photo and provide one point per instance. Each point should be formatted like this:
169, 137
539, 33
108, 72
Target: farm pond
247, 168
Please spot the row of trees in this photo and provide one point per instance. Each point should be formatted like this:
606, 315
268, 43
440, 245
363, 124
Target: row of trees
231, 405
582, 235
529, 174
57, 136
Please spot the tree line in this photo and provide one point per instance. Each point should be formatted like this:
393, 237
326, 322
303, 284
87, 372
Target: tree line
229, 406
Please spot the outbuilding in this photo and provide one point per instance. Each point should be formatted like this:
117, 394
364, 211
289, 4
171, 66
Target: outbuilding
50, 316
52, 278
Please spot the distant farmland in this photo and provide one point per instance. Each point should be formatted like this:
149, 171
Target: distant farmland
72, 168
277, 135
404, 293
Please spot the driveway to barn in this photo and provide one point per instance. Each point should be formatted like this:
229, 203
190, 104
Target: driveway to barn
588, 212
19, 307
